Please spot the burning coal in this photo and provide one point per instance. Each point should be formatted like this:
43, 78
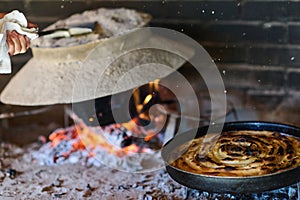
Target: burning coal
118, 145
131, 145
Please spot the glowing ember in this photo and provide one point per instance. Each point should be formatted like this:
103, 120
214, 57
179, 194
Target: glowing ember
133, 148
116, 144
125, 144
149, 136
82, 138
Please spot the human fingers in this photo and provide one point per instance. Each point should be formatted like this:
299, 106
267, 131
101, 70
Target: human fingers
10, 44
24, 43
2, 15
20, 43
31, 25
27, 41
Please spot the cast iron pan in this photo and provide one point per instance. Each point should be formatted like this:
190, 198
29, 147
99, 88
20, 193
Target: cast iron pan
235, 185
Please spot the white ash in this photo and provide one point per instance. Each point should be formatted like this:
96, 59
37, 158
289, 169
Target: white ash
131, 162
75, 181
113, 22
65, 42
115, 135
286, 193
9, 150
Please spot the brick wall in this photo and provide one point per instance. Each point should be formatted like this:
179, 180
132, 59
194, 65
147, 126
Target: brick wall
255, 41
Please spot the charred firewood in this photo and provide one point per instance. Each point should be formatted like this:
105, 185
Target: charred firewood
11, 173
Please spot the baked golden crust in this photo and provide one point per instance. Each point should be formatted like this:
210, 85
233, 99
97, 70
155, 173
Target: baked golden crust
238, 154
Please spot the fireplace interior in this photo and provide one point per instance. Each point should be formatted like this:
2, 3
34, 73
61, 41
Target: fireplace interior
255, 45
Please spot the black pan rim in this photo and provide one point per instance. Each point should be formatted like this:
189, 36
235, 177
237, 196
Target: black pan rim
234, 177
259, 125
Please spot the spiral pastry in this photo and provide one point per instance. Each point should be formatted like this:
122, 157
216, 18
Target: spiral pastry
238, 153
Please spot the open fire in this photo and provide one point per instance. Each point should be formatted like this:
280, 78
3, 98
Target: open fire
120, 145
124, 146
114, 144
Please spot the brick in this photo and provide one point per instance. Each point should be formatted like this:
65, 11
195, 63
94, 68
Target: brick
189, 28
265, 10
274, 55
293, 11
226, 53
243, 32
293, 79
230, 31
271, 10
33, 126
200, 10
252, 77
266, 104
7, 6
59, 9
294, 33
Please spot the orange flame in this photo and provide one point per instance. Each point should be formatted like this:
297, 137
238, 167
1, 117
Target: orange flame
133, 148
156, 84
147, 99
84, 137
